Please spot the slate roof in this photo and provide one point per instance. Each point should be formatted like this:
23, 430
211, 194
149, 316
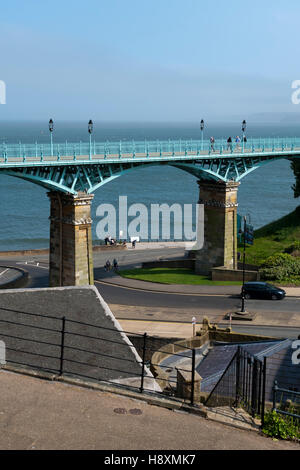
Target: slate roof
30, 326
279, 364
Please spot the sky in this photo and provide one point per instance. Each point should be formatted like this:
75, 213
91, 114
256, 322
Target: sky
148, 61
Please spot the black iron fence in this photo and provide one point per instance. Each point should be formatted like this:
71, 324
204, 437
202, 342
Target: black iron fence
242, 384
286, 402
66, 347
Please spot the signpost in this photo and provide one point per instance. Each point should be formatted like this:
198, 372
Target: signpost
194, 326
249, 239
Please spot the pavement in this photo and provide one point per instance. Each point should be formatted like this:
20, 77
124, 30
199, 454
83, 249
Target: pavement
38, 414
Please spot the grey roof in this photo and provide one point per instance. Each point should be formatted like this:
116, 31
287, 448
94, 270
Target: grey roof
95, 345
279, 363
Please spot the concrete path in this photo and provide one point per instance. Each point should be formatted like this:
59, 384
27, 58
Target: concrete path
41, 415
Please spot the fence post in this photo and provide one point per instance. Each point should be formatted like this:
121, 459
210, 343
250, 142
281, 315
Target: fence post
63, 329
254, 388
237, 390
263, 392
275, 387
193, 375
143, 363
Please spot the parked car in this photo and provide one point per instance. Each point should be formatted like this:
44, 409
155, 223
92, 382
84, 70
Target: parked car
262, 290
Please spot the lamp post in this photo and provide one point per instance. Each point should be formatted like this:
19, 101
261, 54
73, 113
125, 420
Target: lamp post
90, 130
202, 128
51, 127
243, 131
244, 256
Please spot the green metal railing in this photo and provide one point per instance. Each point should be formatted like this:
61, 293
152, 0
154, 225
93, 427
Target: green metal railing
131, 149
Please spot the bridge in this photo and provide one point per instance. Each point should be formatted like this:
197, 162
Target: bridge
72, 172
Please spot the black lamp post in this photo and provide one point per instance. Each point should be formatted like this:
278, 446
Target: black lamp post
90, 130
51, 127
202, 128
244, 257
244, 124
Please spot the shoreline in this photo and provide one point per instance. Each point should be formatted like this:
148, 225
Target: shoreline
139, 246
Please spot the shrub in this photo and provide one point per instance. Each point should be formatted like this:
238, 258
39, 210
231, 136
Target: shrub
293, 249
281, 428
280, 266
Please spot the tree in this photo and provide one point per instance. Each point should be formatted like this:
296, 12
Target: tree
295, 165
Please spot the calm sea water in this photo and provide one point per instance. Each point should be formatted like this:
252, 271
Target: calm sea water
264, 195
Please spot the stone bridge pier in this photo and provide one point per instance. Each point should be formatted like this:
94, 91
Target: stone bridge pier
220, 226
71, 248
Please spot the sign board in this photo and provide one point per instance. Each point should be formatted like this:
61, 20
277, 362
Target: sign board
249, 234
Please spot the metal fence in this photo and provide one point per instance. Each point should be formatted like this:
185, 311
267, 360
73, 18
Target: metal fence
39, 151
66, 347
286, 402
242, 384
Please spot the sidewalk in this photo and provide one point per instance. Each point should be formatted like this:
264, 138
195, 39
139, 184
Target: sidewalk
40, 414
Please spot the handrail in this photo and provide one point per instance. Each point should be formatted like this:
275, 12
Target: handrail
81, 151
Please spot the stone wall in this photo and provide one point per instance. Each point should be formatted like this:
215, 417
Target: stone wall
225, 274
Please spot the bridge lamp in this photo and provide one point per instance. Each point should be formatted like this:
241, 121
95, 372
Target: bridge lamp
243, 131
90, 130
51, 127
202, 128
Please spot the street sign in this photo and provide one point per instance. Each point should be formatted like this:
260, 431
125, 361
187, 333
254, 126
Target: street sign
249, 234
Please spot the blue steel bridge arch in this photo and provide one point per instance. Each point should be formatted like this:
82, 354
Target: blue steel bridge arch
88, 176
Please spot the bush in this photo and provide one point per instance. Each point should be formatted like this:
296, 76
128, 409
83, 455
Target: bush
281, 428
293, 249
280, 266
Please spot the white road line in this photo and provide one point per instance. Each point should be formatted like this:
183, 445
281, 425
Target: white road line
37, 265
4, 271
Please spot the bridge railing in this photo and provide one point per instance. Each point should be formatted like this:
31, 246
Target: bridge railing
39, 151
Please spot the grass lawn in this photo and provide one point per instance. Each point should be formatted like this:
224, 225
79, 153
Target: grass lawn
172, 276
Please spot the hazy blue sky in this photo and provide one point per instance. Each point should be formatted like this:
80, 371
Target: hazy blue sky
155, 60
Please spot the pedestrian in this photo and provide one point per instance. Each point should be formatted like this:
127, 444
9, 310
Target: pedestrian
237, 141
212, 144
133, 243
107, 265
115, 264
245, 139
229, 144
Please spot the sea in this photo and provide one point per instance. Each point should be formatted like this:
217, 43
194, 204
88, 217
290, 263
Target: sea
264, 195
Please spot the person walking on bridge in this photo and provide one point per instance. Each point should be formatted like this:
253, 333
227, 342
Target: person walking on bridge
229, 144
212, 144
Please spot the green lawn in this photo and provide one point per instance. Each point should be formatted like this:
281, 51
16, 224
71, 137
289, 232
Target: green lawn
172, 276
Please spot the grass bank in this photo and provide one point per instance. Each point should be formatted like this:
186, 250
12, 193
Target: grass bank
273, 238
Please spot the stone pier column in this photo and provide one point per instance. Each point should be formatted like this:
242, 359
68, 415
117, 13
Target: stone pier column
220, 226
71, 248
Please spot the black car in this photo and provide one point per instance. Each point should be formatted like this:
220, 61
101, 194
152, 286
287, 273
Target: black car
262, 290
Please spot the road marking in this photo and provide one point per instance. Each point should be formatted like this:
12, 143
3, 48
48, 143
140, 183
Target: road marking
37, 265
3, 272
